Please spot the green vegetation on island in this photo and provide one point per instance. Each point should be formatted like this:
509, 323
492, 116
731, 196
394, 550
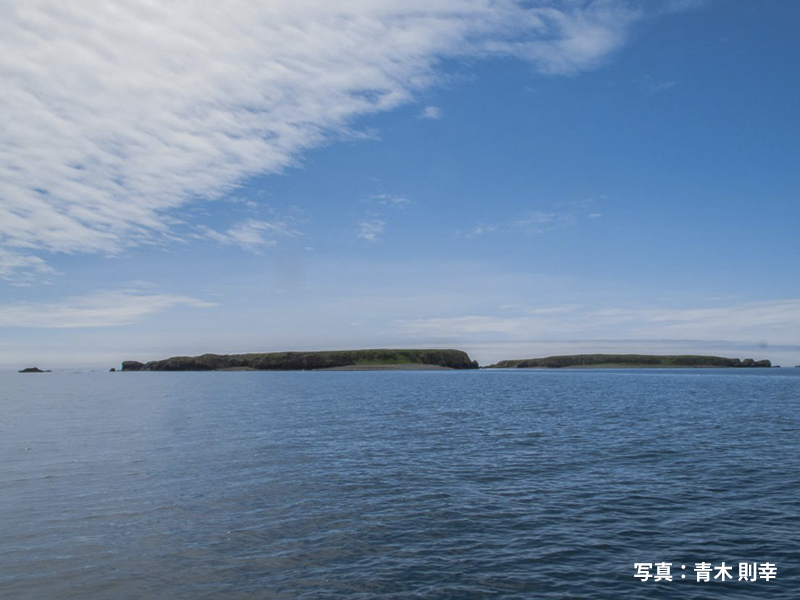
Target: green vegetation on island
304, 361
627, 361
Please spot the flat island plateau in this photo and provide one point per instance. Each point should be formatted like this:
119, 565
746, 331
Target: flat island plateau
411, 359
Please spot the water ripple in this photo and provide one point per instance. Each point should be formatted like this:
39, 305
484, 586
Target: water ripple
397, 485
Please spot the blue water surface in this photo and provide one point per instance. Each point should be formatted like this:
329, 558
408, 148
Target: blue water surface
443, 484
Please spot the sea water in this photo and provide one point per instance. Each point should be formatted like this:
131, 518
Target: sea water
446, 484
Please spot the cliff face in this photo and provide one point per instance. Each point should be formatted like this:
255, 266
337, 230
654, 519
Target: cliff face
300, 361
132, 365
625, 360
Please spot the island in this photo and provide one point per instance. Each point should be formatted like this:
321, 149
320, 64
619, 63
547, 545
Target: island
628, 361
33, 370
380, 359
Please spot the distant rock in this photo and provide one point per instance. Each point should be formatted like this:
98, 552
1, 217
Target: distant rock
112, 370
132, 365
34, 370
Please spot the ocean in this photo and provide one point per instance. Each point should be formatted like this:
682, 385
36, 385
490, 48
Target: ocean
432, 484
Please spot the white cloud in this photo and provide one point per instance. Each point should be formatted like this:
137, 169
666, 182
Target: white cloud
21, 268
102, 309
682, 5
563, 215
769, 322
115, 114
252, 233
390, 200
482, 229
540, 222
371, 230
479, 230
654, 87
433, 113
571, 36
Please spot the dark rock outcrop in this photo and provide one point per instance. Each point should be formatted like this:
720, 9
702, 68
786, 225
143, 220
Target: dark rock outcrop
33, 370
304, 361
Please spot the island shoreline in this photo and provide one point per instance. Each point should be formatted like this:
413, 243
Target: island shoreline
427, 359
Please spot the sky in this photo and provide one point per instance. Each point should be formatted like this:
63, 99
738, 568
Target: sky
512, 178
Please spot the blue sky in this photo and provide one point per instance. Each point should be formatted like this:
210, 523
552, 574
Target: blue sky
513, 179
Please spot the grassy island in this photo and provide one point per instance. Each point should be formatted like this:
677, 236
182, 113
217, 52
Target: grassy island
628, 361
304, 361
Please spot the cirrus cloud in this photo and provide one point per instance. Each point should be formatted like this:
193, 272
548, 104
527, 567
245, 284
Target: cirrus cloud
371, 230
101, 309
116, 114
772, 322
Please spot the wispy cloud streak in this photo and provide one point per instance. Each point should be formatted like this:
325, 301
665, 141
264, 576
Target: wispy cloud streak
371, 230
769, 322
115, 114
252, 233
102, 309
